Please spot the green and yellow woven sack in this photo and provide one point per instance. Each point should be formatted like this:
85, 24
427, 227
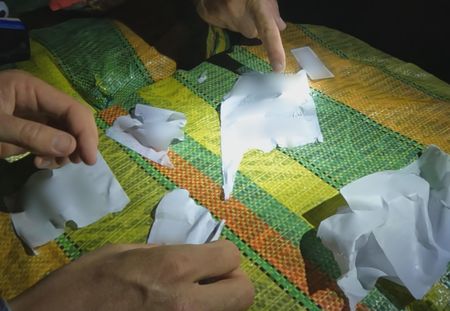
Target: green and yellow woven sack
377, 114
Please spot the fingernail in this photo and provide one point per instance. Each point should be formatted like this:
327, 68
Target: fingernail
278, 67
61, 144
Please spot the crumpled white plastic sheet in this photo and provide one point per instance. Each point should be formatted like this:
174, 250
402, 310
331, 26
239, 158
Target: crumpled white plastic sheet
397, 226
78, 193
179, 220
149, 131
263, 111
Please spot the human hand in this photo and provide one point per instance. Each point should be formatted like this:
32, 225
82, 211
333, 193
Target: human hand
252, 18
38, 118
145, 277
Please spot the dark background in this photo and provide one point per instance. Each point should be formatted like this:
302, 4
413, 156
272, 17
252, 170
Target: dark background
414, 31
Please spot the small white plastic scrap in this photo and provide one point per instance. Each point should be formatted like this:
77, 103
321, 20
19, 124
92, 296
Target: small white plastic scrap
179, 220
203, 77
311, 63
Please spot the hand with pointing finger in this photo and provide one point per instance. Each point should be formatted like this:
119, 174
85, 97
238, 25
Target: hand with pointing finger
252, 18
144, 277
38, 118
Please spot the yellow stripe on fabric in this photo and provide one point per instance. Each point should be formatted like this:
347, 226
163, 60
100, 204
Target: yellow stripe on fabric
133, 223
369, 90
286, 180
280, 176
203, 121
158, 65
268, 295
42, 66
19, 271
437, 298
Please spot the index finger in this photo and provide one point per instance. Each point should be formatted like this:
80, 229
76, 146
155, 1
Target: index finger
270, 36
235, 292
209, 260
78, 118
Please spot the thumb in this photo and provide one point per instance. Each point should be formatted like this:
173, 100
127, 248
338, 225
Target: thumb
35, 137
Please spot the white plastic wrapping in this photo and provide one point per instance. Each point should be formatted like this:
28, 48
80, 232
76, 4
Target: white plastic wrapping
149, 131
78, 193
396, 225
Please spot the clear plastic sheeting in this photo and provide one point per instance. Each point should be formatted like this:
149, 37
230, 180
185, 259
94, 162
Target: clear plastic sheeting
396, 226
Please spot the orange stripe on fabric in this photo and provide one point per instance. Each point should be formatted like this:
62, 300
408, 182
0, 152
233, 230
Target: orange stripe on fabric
276, 250
369, 90
158, 65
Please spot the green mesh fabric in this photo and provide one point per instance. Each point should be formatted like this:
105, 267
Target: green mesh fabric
96, 58
352, 152
71, 250
289, 266
219, 82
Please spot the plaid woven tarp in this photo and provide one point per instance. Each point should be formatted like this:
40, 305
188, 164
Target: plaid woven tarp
378, 113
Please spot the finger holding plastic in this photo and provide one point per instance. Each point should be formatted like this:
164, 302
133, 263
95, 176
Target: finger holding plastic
35, 137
